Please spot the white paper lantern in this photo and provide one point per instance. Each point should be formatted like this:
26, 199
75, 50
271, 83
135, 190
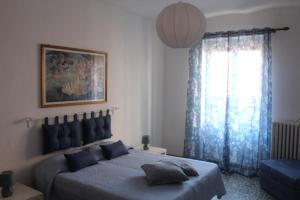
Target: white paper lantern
180, 25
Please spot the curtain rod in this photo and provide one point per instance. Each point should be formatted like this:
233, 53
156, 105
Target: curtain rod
245, 32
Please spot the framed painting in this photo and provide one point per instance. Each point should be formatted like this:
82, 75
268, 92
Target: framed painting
71, 76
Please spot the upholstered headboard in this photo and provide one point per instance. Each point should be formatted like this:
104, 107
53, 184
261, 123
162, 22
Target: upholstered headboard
59, 136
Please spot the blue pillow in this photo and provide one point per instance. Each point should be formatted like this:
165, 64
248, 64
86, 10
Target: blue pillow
114, 150
80, 160
96, 151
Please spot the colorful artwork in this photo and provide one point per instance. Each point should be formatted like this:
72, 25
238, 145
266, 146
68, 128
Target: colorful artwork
72, 76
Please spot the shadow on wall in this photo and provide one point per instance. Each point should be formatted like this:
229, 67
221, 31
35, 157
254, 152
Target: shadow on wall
31, 153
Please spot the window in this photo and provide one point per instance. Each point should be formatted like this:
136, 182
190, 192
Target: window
229, 101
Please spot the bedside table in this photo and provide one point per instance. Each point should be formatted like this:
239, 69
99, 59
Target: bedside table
151, 149
23, 192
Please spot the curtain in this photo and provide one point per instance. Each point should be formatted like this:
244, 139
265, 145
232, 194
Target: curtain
228, 118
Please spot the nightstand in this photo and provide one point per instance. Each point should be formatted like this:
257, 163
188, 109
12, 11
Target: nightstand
151, 149
23, 192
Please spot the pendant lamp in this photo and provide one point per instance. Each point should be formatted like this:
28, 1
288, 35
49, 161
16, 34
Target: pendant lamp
180, 25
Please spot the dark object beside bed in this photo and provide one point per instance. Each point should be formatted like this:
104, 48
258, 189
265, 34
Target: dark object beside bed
281, 178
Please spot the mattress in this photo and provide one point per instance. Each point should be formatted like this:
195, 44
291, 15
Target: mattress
123, 179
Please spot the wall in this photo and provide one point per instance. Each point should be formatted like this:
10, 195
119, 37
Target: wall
176, 77
286, 70
157, 89
133, 51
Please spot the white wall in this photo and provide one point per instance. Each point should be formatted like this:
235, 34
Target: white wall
286, 70
133, 51
176, 77
157, 89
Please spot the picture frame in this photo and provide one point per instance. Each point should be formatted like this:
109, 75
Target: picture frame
72, 76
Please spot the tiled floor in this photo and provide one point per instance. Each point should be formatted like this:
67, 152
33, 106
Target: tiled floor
243, 188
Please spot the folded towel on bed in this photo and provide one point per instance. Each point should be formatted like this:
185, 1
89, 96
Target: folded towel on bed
168, 171
185, 166
159, 173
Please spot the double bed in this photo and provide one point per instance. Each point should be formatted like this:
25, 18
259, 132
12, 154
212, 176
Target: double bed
119, 178
123, 179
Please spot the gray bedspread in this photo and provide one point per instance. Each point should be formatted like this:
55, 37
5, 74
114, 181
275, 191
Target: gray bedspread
123, 179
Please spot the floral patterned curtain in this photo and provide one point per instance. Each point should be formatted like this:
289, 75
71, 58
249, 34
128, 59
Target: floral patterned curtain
228, 118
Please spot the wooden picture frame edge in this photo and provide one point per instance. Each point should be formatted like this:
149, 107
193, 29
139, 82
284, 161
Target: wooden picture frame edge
43, 104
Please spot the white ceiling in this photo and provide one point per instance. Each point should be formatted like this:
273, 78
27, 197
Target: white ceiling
151, 8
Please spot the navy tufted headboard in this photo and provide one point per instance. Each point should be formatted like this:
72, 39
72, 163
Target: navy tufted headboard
73, 134
94, 129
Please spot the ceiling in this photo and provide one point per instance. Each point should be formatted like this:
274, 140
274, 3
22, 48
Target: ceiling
151, 8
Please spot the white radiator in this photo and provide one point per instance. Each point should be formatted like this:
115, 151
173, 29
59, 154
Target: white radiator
286, 140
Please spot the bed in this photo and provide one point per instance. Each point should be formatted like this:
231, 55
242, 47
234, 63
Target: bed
123, 179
